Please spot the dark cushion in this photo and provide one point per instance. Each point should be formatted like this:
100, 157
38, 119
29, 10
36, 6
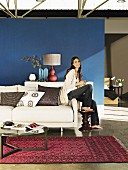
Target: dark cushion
111, 94
51, 96
10, 98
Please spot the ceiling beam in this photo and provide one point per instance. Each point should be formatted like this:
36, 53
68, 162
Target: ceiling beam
85, 16
81, 5
7, 11
68, 13
15, 3
33, 7
4, 9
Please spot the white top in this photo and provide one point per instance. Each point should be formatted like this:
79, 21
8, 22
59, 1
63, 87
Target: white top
70, 81
69, 85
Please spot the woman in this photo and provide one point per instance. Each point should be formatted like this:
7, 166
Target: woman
74, 87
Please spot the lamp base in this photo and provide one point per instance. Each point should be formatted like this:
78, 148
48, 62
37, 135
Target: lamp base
52, 77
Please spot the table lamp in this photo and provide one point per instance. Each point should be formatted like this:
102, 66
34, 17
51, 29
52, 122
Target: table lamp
52, 60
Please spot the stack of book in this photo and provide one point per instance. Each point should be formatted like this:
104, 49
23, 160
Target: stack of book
34, 127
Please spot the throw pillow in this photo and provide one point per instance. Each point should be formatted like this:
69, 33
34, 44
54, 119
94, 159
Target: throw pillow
51, 96
30, 98
10, 98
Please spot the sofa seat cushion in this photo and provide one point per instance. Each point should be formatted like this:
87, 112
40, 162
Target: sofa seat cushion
6, 113
42, 114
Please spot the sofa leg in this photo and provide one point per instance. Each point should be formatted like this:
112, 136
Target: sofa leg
61, 131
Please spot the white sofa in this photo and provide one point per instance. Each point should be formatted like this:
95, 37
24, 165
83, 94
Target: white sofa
51, 116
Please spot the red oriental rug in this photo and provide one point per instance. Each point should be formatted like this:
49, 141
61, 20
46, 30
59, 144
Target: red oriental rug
67, 150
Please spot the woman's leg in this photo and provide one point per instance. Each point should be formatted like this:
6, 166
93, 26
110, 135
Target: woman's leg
83, 94
94, 116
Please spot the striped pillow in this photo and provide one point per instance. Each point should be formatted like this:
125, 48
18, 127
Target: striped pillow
10, 98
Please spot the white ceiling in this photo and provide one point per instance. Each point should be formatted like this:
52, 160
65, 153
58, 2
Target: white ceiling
65, 4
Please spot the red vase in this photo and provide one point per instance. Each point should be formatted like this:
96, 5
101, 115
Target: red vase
52, 77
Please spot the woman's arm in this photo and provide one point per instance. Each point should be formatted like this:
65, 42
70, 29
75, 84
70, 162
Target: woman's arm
81, 83
70, 79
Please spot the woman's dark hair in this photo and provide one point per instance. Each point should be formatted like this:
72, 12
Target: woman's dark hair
72, 67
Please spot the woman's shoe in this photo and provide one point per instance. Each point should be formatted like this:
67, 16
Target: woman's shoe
86, 109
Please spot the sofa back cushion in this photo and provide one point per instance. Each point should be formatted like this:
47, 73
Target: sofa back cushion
51, 96
10, 98
8, 88
22, 88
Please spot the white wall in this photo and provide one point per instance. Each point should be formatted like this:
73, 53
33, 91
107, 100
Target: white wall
116, 25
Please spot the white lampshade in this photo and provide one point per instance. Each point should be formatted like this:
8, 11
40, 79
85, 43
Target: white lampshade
52, 59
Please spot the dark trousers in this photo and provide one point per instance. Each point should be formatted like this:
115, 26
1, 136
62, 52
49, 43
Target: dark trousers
84, 95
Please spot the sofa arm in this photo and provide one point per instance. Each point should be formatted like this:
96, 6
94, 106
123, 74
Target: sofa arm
74, 106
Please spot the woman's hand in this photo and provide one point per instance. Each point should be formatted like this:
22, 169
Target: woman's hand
81, 83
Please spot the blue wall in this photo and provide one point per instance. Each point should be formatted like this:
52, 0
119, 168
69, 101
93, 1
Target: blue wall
70, 37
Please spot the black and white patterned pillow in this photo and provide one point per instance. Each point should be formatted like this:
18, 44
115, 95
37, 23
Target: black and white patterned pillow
30, 98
